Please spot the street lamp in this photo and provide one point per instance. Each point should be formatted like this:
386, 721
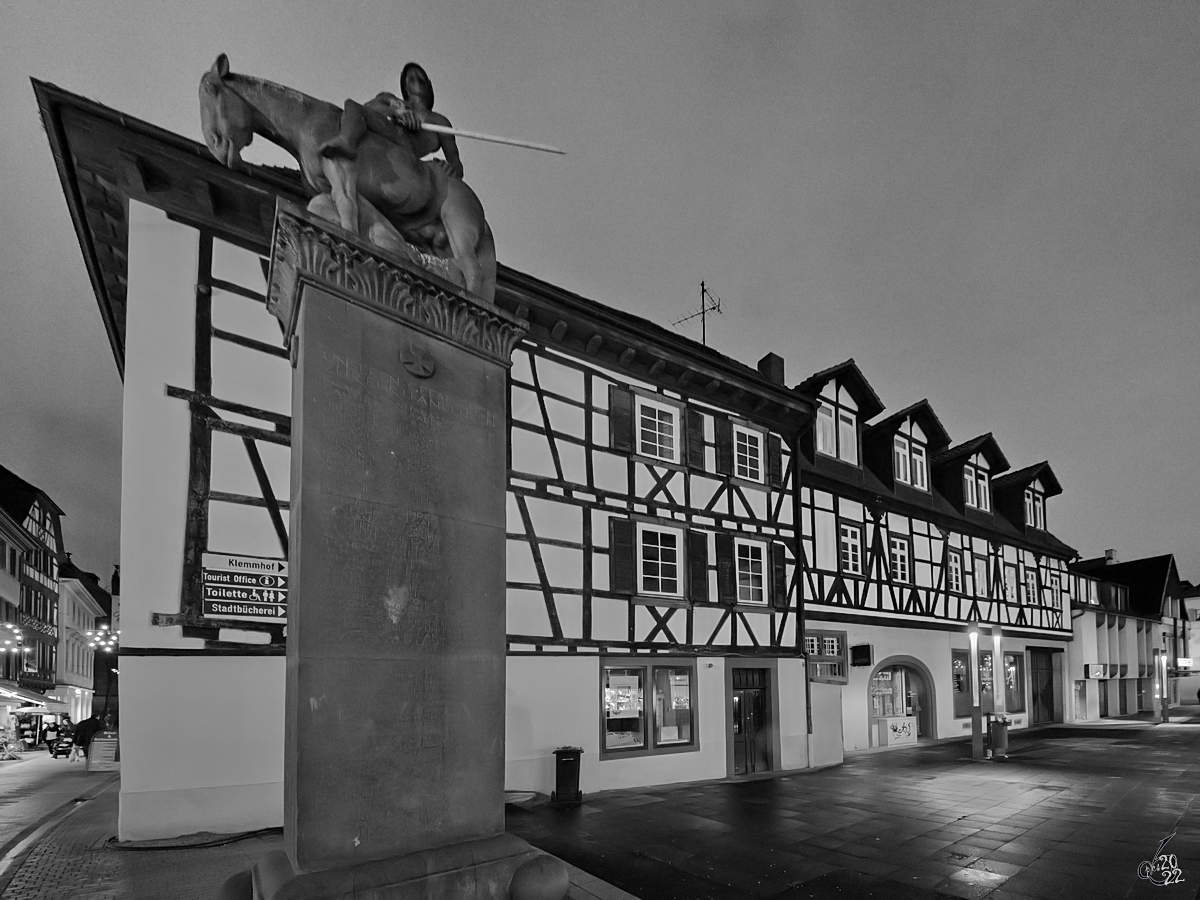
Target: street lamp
104, 640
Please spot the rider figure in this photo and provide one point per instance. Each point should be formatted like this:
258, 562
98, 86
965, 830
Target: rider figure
414, 106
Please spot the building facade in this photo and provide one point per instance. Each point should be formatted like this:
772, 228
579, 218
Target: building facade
34, 666
82, 605
909, 540
1129, 622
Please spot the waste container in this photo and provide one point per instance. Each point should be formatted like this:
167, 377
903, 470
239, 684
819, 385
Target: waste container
566, 775
998, 734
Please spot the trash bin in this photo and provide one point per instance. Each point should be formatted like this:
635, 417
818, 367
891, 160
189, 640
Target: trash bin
998, 734
566, 775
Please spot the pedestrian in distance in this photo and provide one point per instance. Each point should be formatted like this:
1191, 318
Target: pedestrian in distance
85, 731
50, 735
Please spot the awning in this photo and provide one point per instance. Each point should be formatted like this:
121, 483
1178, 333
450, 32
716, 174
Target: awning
11, 691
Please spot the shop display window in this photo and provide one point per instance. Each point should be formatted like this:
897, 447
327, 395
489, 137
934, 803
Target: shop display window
672, 706
1014, 682
649, 709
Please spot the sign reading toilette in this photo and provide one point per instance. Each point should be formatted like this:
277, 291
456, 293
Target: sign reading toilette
250, 588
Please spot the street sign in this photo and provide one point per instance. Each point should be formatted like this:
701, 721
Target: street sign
249, 588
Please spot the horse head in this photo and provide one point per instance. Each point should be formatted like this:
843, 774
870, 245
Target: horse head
226, 119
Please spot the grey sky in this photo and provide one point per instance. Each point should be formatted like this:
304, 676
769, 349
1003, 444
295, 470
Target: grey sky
992, 205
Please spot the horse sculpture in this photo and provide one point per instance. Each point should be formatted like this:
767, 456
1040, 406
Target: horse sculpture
385, 194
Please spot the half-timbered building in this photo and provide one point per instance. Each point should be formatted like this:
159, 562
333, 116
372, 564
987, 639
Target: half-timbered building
653, 606
908, 541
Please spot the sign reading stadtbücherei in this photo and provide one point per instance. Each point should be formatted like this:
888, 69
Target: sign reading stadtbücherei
252, 588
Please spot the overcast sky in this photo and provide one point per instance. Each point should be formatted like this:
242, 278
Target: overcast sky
992, 205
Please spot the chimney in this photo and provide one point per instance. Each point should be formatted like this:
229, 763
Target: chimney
771, 368
1110, 556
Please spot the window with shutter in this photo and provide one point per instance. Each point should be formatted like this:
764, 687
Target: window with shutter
726, 570
697, 561
620, 556
779, 585
620, 419
723, 432
775, 460
695, 439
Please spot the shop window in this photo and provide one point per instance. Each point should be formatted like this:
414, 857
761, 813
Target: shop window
959, 672
1014, 682
826, 652
665, 724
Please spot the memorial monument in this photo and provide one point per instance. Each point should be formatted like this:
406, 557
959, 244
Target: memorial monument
394, 726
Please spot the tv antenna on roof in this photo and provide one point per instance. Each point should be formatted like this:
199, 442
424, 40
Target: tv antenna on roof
709, 303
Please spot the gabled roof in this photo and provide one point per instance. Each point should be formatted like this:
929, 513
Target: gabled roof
1022, 478
1150, 581
90, 583
923, 414
985, 444
869, 404
17, 496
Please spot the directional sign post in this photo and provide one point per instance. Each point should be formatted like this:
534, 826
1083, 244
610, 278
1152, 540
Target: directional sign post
250, 588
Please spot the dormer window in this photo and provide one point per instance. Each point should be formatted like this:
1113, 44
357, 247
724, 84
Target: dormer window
837, 424
1035, 507
977, 492
909, 458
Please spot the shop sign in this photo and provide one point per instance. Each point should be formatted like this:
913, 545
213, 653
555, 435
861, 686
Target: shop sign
1095, 670
102, 753
248, 588
1183, 662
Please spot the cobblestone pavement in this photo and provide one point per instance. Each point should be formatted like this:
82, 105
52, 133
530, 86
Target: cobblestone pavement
1072, 813
76, 859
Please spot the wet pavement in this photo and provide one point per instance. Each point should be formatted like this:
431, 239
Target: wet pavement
1073, 812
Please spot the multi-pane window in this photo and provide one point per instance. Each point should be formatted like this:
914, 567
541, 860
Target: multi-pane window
980, 568
826, 652
920, 470
657, 430
751, 571
1031, 587
666, 721
1055, 587
1011, 594
954, 571
747, 454
659, 559
900, 459
1035, 509
976, 490
837, 432
899, 556
850, 548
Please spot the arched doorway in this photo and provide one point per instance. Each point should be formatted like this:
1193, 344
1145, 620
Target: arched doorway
900, 703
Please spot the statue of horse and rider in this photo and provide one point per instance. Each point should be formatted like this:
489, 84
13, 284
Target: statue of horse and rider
365, 169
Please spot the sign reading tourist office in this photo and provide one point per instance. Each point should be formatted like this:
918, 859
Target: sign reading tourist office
252, 588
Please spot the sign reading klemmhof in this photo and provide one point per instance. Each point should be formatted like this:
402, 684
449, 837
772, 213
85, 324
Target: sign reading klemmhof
250, 588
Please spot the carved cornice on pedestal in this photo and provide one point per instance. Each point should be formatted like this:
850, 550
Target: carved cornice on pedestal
307, 249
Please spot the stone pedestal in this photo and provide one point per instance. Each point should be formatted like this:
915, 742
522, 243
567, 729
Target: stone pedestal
394, 754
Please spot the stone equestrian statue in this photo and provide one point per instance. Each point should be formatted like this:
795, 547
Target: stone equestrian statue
363, 163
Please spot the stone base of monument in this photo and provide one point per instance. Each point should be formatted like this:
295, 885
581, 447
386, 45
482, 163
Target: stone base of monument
499, 868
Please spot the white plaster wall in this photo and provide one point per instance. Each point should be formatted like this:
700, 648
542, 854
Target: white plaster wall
555, 701
201, 738
159, 351
793, 721
201, 745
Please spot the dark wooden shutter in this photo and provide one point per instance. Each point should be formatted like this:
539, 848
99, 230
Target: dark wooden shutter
779, 585
621, 570
723, 432
620, 418
697, 550
695, 439
726, 570
775, 460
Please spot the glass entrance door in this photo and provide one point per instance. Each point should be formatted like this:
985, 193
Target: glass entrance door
751, 735
1041, 665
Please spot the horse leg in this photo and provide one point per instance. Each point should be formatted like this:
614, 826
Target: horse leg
343, 187
466, 229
